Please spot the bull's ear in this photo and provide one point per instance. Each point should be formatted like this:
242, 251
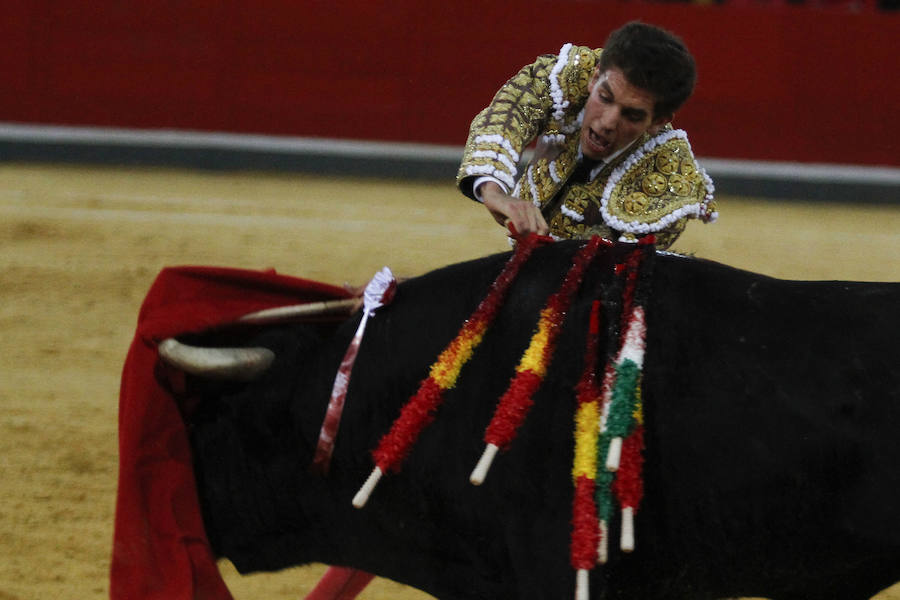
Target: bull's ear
235, 364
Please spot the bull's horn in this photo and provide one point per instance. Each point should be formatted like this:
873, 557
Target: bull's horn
240, 364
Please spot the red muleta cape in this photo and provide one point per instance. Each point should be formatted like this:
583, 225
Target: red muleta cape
160, 548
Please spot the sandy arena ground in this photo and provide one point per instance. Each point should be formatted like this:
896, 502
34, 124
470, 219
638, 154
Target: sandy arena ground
79, 248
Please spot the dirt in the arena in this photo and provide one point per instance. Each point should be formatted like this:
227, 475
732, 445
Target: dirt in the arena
79, 247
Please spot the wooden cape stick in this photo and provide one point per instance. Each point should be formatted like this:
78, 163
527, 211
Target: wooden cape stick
323, 308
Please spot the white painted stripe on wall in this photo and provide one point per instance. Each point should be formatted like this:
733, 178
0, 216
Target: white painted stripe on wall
813, 172
227, 141
787, 171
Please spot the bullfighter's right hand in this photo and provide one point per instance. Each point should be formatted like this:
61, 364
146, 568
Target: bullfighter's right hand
507, 210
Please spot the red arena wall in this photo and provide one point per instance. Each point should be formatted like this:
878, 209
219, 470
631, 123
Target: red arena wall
786, 83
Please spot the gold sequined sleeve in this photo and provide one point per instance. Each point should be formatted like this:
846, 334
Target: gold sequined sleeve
550, 90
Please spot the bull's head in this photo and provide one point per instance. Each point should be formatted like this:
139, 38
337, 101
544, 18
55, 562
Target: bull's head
246, 364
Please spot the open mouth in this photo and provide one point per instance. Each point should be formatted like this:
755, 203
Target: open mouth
598, 144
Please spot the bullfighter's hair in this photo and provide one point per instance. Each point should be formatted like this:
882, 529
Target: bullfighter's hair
655, 60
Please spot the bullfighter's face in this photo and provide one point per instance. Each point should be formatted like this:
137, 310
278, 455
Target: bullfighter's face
616, 114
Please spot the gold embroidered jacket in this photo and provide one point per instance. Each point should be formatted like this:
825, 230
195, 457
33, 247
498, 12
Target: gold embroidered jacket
654, 186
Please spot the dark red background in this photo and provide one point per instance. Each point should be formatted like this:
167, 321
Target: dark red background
780, 83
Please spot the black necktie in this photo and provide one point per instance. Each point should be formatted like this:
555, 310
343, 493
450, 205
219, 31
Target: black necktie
583, 170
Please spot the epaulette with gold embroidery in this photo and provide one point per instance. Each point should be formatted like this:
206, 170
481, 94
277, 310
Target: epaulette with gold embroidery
658, 184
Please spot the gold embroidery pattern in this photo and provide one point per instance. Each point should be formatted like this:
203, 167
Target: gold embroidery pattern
635, 203
667, 162
579, 76
562, 226
680, 185
660, 188
654, 184
583, 199
564, 165
577, 200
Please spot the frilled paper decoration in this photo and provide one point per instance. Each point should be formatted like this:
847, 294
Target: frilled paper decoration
379, 291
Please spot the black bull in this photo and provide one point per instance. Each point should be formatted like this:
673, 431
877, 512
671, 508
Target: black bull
772, 413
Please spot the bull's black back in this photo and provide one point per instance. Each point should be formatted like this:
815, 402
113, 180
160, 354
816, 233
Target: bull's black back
771, 409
